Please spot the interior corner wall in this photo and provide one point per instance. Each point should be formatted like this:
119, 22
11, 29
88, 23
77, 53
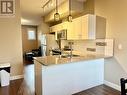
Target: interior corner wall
11, 41
116, 16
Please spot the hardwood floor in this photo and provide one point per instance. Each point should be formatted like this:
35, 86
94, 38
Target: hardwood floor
99, 90
12, 89
26, 86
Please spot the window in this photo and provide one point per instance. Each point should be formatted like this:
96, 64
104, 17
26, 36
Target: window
31, 34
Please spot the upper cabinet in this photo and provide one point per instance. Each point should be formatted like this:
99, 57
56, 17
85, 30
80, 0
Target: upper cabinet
56, 28
77, 28
84, 27
93, 27
59, 27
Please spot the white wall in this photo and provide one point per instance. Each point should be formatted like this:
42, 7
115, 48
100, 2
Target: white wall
115, 13
11, 42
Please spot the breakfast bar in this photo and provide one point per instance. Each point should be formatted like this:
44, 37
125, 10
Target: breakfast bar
55, 75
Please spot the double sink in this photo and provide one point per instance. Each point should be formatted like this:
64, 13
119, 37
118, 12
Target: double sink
69, 56
65, 55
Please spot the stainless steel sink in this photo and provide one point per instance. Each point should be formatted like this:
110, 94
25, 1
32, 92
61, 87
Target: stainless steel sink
68, 56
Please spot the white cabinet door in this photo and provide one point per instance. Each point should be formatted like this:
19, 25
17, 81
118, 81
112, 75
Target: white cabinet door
85, 29
93, 27
70, 31
77, 26
88, 27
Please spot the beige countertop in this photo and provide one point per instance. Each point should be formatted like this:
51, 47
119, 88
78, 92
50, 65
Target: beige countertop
4, 65
55, 60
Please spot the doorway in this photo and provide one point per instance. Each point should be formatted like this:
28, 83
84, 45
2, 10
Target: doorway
29, 42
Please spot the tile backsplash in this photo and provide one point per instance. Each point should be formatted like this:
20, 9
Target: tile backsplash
98, 46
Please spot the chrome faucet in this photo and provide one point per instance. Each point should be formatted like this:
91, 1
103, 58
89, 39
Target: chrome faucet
71, 43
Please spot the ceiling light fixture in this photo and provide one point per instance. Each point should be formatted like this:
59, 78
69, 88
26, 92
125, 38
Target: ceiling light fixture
70, 15
56, 15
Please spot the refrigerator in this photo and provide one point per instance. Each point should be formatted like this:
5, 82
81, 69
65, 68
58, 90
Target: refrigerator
48, 43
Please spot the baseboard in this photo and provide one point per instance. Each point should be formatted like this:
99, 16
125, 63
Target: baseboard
115, 86
16, 77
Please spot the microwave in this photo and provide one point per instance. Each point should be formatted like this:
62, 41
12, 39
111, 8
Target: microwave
61, 35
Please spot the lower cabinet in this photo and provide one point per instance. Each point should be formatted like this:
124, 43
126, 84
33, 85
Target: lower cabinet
68, 78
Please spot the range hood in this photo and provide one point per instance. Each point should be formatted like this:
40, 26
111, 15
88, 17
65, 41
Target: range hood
77, 7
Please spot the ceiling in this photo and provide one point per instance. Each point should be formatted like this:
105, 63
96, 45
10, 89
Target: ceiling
32, 11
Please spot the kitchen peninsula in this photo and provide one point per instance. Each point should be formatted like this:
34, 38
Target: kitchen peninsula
55, 75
